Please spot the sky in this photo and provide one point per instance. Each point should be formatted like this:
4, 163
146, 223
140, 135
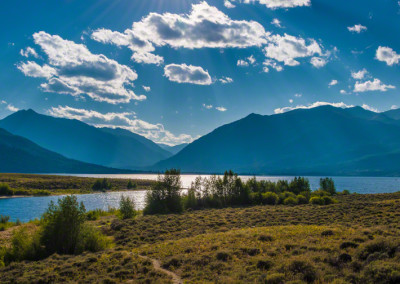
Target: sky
174, 70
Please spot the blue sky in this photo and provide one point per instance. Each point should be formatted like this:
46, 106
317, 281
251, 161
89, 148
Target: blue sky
175, 70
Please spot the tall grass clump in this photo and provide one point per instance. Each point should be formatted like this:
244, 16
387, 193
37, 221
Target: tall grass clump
165, 195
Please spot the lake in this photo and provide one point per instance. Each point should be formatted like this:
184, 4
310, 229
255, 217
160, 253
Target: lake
27, 208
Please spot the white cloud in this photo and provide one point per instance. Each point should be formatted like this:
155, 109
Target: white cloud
359, 75
29, 51
12, 108
242, 63
228, 4
276, 23
146, 88
343, 92
207, 106
313, 105
298, 95
288, 48
375, 85
276, 4
124, 120
318, 62
271, 63
357, 28
333, 83
221, 108
226, 80
387, 55
72, 69
147, 58
187, 74
367, 107
291, 101
251, 59
204, 26
394, 107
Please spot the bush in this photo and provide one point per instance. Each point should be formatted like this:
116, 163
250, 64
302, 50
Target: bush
101, 185
4, 219
299, 184
290, 201
304, 268
329, 200
127, 208
131, 185
270, 198
301, 199
316, 200
5, 189
346, 192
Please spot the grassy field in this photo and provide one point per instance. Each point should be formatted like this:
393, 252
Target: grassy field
28, 184
356, 240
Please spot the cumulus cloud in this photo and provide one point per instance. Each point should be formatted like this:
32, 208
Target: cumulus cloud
375, 85
204, 27
146, 88
207, 106
367, 107
268, 63
359, 75
343, 92
29, 51
313, 105
221, 108
242, 63
276, 23
388, 55
229, 5
226, 80
72, 69
147, 58
187, 74
318, 62
247, 61
288, 49
333, 83
12, 108
357, 28
276, 4
124, 120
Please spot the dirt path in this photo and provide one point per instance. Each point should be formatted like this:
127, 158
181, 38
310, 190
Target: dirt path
157, 266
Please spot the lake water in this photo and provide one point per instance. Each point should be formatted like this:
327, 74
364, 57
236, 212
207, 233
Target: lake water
27, 208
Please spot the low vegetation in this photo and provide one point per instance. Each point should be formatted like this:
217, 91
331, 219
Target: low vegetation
279, 238
42, 185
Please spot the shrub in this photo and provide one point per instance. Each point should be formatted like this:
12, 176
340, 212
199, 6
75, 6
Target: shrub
290, 201
264, 264
299, 184
101, 185
301, 199
346, 192
63, 230
317, 200
381, 245
4, 219
382, 272
304, 268
5, 189
127, 208
223, 256
270, 198
328, 200
327, 185
275, 278
131, 185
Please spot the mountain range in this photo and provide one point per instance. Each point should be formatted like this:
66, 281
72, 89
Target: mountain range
116, 148
19, 155
318, 141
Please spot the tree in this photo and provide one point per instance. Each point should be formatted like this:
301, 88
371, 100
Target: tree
127, 207
101, 185
327, 185
299, 185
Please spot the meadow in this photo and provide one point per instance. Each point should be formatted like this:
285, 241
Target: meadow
353, 240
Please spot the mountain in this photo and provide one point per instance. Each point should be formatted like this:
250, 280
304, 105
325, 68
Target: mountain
116, 148
319, 141
173, 149
19, 155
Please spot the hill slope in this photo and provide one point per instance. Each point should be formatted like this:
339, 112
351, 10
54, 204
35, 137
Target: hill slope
74, 139
318, 141
173, 149
19, 155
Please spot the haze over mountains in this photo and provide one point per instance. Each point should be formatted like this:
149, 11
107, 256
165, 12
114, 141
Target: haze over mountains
19, 155
319, 141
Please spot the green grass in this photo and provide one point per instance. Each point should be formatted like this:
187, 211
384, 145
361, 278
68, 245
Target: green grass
28, 184
356, 240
